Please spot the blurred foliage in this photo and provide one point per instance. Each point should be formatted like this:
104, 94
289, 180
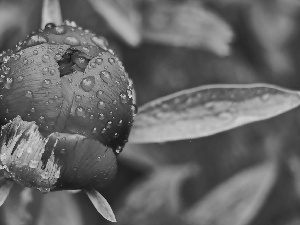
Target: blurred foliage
248, 175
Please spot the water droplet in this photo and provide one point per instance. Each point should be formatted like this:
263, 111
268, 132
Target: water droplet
20, 78
78, 98
25, 61
94, 130
45, 58
120, 122
114, 102
35, 52
93, 65
59, 30
58, 57
36, 39
6, 70
116, 135
1, 97
49, 26
87, 83
33, 164
101, 116
41, 119
98, 61
108, 124
29, 94
8, 83
80, 111
265, 97
47, 83
57, 174
100, 42
123, 98
91, 117
134, 109
99, 94
111, 60
71, 41
101, 105
45, 175
105, 76
2, 78
103, 130
45, 70
32, 110
119, 149
52, 71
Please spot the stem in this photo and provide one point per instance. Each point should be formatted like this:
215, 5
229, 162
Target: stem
51, 13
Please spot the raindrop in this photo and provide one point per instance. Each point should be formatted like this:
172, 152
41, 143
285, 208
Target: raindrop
111, 60
2, 78
45, 175
98, 61
29, 94
45, 58
49, 26
1, 97
134, 109
8, 83
41, 119
25, 61
71, 41
101, 116
116, 135
33, 164
57, 174
45, 70
52, 71
265, 97
59, 30
120, 122
99, 42
35, 52
58, 57
103, 130
105, 76
123, 77
80, 111
91, 117
93, 65
101, 105
94, 130
119, 149
108, 124
78, 98
32, 110
47, 83
20, 78
47, 103
6, 70
99, 93
123, 98
87, 83
114, 102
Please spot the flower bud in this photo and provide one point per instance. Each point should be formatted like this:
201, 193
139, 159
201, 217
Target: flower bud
66, 109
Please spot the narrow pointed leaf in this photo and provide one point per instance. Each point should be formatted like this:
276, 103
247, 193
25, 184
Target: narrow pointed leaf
51, 13
101, 205
207, 110
5, 186
122, 20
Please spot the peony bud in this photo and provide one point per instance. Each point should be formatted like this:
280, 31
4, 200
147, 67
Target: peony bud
66, 110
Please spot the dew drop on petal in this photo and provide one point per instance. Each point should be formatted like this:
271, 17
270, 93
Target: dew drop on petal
58, 57
45, 58
265, 97
94, 130
47, 83
98, 61
119, 149
123, 98
87, 83
105, 76
71, 41
120, 122
134, 109
33, 164
29, 94
35, 52
52, 71
111, 60
99, 94
108, 124
101, 105
45, 175
59, 30
101, 116
79, 111
99, 42
103, 130
20, 78
41, 119
8, 83
45, 70
78, 98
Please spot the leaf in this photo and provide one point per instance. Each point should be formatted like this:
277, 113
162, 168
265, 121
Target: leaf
121, 18
207, 110
60, 208
5, 186
158, 197
51, 13
101, 205
236, 201
186, 25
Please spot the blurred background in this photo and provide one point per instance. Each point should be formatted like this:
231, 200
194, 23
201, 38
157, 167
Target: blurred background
247, 176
